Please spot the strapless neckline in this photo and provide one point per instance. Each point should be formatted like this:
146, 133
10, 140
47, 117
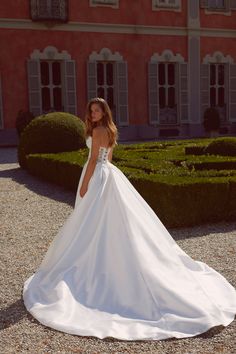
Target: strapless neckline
100, 147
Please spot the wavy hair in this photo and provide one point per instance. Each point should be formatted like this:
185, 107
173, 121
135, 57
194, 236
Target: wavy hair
107, 120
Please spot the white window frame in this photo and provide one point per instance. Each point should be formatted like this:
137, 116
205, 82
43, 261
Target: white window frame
218, 58
120, 82
215, 7
167, 56
158, 5
68, 78
105, 3
51, 86
166, 88
226, 10
216, 85
105, 86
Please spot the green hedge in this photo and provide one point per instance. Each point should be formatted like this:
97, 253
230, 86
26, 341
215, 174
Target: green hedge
186, 204
52, 132
225, 146
195, 150
63, 173
179, 199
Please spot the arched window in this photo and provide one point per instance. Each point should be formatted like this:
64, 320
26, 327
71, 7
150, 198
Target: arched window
218, 85
107, 78
168, 89
51, 82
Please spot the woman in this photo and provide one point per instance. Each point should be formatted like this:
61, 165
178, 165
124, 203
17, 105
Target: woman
113, 270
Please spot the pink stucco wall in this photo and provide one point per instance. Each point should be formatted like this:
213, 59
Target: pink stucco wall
218, 20
139, 12
136, 49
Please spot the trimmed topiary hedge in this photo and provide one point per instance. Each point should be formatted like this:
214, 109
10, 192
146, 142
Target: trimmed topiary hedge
222, 146
183, 190
53, 132
179, 196
189, 203
195, 150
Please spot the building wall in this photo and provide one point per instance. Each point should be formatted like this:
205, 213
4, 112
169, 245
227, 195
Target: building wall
136, 33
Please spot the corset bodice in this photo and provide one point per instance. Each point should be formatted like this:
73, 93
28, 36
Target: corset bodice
103, 151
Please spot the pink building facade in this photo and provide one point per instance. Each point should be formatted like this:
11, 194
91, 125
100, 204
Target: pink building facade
158, 63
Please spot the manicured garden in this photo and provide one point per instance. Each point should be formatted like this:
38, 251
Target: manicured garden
186, 182
182, 189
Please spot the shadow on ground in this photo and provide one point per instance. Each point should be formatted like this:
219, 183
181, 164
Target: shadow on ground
39, 186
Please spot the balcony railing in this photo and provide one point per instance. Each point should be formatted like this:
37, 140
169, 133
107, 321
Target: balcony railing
53, 10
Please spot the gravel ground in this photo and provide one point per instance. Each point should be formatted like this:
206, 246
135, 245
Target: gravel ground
31, 213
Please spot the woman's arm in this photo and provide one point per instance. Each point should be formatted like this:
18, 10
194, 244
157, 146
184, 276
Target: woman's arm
92, 161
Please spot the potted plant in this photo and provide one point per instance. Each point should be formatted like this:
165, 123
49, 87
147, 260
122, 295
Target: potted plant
22, 120
211, 121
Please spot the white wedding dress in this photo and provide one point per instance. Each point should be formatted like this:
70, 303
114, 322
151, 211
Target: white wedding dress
113, 270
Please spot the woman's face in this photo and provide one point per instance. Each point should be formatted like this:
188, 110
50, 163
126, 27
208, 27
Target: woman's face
96, 112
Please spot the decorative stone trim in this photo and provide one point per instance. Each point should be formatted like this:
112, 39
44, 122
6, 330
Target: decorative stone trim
217, 57
167, 55
119, 28
105, 54
50, 52
108, 3
158, 5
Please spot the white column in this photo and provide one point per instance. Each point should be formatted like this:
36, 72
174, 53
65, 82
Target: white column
194, 67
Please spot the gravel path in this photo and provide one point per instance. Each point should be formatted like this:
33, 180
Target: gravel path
31, 213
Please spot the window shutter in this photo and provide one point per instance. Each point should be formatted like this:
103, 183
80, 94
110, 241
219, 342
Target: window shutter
92, 79
183, 92
232, 92
34, 87
1, 106
205, 87
232, 5
204, 4
153, 95
70, 87
122, 93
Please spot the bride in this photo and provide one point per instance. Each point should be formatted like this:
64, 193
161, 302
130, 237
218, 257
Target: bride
113, 269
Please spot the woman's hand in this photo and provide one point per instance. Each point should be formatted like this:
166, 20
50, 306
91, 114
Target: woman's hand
82, 191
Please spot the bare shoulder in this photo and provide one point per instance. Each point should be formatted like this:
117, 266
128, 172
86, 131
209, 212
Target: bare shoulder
101, 135
100, 132
99, 129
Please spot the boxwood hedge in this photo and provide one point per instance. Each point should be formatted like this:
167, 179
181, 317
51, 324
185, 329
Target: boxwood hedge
182, 189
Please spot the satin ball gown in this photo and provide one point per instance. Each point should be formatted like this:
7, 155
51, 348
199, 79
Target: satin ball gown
113, 270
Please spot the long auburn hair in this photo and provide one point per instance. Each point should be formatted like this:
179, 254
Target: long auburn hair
107, 120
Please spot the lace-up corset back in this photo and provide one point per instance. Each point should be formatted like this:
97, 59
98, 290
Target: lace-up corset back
103, 151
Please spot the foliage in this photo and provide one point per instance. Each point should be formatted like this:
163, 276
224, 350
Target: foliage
222, 146
22, 120
53, 132
211, 119
183, 190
